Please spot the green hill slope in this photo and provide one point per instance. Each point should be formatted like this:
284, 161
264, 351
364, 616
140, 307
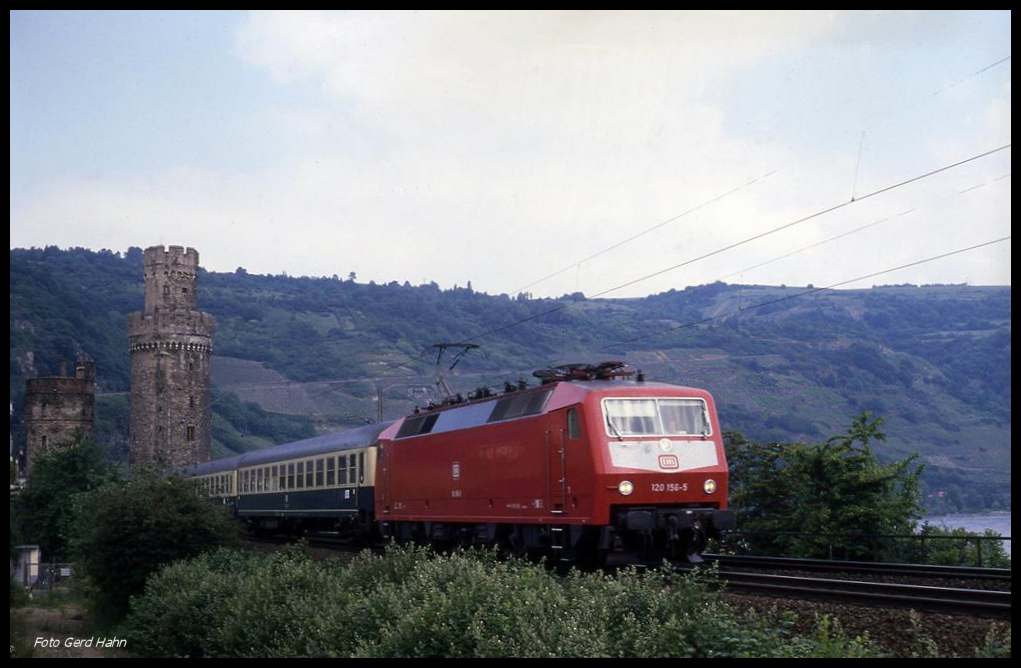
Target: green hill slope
935, 360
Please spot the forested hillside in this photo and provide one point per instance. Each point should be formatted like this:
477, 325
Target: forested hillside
933, 360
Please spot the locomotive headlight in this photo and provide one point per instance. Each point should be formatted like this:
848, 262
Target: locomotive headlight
626, 488
709, 486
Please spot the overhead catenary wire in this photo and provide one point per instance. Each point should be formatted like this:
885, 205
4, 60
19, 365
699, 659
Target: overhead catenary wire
761, 235
876, 122
408, 358
854, 231
861, 145
816, 245
810, 291
698, 207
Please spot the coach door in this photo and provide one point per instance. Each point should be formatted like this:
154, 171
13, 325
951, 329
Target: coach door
383, 464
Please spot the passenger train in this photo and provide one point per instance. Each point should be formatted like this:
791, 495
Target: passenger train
588, 466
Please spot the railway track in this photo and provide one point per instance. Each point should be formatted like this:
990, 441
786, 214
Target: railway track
861, 567
742, 575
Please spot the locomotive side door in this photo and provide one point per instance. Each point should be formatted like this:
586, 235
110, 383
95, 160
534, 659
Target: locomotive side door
556, 466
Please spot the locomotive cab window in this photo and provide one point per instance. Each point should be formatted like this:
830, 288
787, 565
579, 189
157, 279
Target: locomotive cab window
573, 424
656, 417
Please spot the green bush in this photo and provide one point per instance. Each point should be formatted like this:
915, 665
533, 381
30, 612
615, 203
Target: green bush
958, 547
127, 530
413, 603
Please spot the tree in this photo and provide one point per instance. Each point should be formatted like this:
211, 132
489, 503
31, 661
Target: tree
818, 500
44, 509
127, 530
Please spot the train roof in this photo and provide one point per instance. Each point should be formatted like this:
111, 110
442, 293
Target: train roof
349, 439
209, 468
528, 402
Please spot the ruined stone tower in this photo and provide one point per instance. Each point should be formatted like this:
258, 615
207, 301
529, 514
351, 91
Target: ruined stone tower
59, 409
170, 343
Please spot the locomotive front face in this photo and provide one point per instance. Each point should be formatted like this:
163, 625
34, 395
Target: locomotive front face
672, 437
663, 469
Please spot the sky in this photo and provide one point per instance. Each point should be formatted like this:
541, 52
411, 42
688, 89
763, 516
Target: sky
502, 148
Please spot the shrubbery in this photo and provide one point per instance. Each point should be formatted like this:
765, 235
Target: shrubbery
128, 529
416, 604
958, 547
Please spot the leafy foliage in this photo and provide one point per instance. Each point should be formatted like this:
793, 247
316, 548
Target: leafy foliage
413, 603
820, 500
45, 509
934, 360
128, 529
959, 547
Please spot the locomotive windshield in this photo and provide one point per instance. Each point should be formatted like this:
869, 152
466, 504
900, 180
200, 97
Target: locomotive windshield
656, 417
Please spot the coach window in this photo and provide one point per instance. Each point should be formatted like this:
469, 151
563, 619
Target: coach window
361, 467
300, 477
290, 476
352, 474
309, 475
320, 472
331, 472
573, 424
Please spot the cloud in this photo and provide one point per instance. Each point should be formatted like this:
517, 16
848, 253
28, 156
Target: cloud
497, 147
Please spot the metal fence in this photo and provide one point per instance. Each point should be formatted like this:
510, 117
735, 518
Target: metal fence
40, 579
958, 550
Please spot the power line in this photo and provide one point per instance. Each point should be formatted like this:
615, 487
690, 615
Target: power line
816, 245
850, 232
881, 120
743, 242
721, 196
617, 245
805, 219
808, 292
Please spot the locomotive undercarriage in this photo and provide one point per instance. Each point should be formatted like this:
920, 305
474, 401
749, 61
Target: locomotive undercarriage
635, 535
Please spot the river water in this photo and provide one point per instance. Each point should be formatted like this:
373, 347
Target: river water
998, 522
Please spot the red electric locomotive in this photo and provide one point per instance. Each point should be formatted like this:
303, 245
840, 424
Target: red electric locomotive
587, 466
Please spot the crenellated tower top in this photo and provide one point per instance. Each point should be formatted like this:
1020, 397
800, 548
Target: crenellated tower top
170, 277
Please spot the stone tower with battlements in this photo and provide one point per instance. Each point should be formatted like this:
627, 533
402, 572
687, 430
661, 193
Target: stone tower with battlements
170, 344
58, 410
